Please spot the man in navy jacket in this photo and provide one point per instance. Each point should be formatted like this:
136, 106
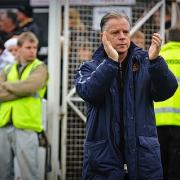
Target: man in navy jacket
119, 85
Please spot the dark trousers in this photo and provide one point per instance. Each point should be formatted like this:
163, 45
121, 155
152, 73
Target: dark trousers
169, 138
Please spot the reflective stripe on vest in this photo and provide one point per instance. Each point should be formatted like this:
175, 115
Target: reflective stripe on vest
26, 112
168, 112
178, 79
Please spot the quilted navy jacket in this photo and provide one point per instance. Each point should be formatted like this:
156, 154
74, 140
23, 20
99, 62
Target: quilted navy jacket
96, 82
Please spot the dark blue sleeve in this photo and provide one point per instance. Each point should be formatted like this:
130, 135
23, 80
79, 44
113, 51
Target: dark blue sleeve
164, 83
92, 80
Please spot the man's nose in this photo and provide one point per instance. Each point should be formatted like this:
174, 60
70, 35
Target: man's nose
32, 50
121, 35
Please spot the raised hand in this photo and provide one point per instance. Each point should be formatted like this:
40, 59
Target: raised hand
155, 46
111, 52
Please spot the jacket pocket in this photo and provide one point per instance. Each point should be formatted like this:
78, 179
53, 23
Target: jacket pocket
98, 158
149, 158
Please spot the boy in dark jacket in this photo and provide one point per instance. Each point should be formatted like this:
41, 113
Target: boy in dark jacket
119, 85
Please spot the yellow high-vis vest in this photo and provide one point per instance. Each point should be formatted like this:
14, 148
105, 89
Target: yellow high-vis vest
168, 112
25, 112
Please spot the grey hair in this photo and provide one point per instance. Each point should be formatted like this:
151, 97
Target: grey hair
113, 15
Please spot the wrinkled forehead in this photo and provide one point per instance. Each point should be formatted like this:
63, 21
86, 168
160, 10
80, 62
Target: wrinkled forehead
117, 22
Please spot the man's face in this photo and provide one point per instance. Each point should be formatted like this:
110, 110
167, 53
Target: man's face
118, 34
13, 49
5, 23
27, 52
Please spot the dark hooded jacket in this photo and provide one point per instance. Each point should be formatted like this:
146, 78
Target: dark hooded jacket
97, 83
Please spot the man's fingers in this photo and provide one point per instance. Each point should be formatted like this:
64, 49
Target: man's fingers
104, 39
156, 43
156, 39
106, 43
111, 52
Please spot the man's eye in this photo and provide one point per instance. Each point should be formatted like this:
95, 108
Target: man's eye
114, 32
126, 32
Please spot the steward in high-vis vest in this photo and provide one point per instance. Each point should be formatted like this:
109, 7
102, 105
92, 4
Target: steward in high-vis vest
168, 112
22, 88
25, 112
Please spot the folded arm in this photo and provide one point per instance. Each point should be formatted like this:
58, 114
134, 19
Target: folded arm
21, 88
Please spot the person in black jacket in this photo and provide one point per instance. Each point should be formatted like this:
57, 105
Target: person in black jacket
26, 21
119, 85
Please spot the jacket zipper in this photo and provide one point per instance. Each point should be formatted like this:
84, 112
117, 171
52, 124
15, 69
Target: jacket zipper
122, 143
121, 75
